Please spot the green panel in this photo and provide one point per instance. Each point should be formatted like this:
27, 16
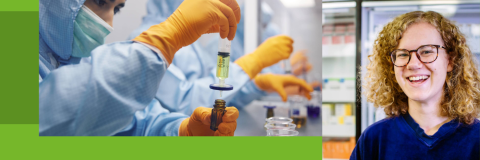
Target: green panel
19, 5
19, 68
23, 142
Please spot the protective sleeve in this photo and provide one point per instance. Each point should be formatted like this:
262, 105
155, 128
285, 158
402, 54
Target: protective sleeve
177, 94
154, 121
99, 97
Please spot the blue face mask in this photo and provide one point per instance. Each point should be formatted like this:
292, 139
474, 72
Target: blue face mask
89, 32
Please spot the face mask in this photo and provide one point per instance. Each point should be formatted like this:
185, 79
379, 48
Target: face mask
89, 32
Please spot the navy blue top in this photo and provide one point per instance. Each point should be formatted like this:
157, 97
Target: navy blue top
402, 138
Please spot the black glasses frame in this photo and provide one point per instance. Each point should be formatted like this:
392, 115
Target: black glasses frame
418, 55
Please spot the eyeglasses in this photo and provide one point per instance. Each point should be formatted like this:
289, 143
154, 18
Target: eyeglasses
425, 53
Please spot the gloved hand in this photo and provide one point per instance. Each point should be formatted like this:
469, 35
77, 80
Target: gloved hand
199, 123
192, 19
299, 63
273, 50
278, 83
316, 84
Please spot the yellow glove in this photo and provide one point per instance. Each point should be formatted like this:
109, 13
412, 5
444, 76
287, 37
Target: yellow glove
299, 63
273, 50
279, 83
192, 19
199, 123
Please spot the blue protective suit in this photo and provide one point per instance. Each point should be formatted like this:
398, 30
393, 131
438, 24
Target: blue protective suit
188, 79
402, 138
110, 92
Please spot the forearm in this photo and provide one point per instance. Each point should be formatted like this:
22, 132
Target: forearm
99, 97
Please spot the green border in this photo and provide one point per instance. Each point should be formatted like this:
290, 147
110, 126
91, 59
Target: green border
21, 141
19, 5
19, 67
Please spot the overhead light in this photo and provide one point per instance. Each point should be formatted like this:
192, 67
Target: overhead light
298, 3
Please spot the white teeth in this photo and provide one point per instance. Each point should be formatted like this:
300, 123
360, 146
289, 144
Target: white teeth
417, 78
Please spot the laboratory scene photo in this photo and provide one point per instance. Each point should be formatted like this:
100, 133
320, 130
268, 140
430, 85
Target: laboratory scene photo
180, 68
401, 80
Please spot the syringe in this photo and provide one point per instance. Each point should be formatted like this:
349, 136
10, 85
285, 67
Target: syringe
288, 68
223, 61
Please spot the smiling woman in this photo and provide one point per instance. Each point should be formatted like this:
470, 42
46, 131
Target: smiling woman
458, 79
423, 74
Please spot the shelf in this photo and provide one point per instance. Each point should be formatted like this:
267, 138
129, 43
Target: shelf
338, 51
344, 95
338, 130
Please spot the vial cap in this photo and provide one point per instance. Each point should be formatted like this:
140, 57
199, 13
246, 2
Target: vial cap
269, 107
225, 87
296, 112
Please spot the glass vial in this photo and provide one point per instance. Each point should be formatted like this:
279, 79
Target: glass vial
269, 111
217, 113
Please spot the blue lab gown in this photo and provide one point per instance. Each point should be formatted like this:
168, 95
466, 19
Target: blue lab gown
111, 92
402, 138
185, 86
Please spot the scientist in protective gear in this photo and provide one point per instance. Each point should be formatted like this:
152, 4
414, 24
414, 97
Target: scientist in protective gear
424, 76
87, 88
188, 79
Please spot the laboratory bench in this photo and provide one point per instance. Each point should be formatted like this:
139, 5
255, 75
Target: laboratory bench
252, 117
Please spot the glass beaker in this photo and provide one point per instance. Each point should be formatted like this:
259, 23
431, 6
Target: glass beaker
282, 132
282, 125
298, 111
277, 120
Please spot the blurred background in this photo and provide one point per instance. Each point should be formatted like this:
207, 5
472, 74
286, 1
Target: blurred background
349, 30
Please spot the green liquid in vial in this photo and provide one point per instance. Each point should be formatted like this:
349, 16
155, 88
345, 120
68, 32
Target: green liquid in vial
223, 60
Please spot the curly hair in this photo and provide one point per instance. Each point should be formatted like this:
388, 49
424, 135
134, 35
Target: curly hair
461, 98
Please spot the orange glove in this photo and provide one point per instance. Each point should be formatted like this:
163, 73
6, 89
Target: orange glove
297, 90
299, 63
279, 83
273, 50
199, 123
192, 19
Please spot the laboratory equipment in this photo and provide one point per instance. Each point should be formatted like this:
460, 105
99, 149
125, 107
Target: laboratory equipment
298, 111
313, 107
223, 62
217, 113
279, 120
270, 112
282, 132
282, 125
